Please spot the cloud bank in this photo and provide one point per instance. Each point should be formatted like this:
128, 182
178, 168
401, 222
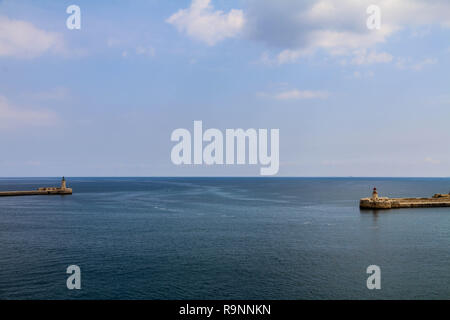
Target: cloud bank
22, 39
301, 28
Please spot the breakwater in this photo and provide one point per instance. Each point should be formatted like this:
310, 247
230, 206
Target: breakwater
33, 193
62, 190
376, 202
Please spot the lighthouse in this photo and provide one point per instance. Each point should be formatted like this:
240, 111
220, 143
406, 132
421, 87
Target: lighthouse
374, 194
63, 183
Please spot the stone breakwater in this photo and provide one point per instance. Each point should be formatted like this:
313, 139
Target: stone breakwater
375, 202
34, 193
62, 190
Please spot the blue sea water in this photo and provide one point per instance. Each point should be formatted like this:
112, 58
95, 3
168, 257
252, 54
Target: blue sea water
222, 238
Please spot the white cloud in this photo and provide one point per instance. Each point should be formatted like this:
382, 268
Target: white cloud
147, 51
140, 51
361, 75
410, 64
421, 32
22, 39
201, 22
296, 94
298, 29
289, 56
13, 116
128, 47
364, 57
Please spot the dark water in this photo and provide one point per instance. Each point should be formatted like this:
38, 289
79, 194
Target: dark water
222, 238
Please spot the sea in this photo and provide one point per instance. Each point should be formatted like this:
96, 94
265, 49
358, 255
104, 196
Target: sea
223, 238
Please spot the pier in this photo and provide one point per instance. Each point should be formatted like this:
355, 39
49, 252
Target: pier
62, 190
376, 202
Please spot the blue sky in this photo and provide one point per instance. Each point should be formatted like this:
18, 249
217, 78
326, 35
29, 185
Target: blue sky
103, 100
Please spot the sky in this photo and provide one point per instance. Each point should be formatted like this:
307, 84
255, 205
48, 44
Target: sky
103, 100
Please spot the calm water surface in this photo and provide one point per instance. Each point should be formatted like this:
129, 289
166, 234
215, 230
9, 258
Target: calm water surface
222, 238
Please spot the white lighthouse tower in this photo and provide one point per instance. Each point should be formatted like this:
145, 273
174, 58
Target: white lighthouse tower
374, 194
63, 183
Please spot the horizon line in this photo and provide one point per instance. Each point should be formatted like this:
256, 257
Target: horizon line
232, 177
